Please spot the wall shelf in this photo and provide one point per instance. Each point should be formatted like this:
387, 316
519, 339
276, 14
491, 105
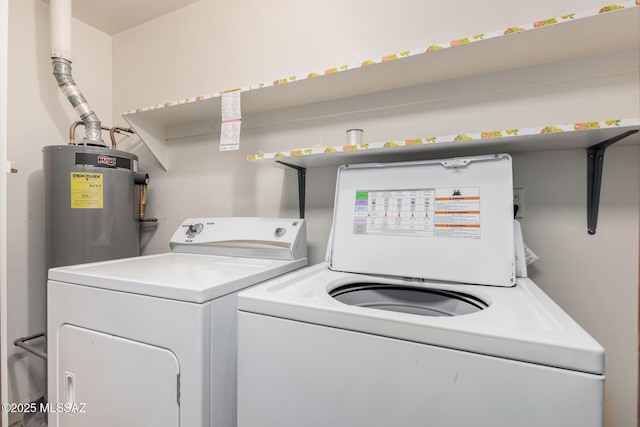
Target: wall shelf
539, 138
570, 36
595, 137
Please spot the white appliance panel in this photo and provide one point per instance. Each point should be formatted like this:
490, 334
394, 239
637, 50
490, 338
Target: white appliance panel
137, 322
521, 322
441, 219
183, 328
438, 229
179, 276
223, 389
295, 373
115, 381
271, 238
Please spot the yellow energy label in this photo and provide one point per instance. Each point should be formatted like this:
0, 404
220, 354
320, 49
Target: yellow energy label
86, 190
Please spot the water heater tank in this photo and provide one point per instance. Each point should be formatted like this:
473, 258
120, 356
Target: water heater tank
91, 204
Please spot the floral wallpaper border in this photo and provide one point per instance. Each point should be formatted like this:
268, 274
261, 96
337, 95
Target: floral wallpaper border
476, 136
403, 54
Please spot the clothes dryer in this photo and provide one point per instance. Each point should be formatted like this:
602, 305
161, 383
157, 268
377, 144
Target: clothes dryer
421, 316
151, 340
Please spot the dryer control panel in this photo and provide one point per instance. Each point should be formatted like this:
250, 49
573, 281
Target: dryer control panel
273, 238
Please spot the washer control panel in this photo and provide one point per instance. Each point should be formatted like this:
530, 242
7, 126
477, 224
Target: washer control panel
237, 236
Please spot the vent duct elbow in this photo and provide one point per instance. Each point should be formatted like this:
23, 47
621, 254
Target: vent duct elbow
92, 125
61, 56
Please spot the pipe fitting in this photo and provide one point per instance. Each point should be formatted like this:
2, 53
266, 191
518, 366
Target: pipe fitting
117, 129
112, 132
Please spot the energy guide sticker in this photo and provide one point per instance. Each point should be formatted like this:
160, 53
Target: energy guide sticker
86, 190
424, 212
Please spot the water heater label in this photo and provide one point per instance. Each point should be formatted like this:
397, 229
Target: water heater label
426, 212
99, 160
86, 190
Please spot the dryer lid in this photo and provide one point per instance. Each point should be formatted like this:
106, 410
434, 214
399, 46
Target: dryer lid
448, 219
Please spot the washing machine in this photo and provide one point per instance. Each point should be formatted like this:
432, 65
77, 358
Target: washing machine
151, 340
422, 315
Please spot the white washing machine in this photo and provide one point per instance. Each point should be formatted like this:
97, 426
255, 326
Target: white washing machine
151, 340
418, 317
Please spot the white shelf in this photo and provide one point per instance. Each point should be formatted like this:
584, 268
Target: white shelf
593, 135
570, 36
540, 138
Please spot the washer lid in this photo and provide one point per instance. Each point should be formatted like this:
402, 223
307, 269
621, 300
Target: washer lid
446, 219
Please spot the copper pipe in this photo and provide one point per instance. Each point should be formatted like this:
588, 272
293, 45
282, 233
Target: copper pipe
72, 132
112, 131
117, 129
143, 202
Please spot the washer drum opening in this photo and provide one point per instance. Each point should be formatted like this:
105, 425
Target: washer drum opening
408, 299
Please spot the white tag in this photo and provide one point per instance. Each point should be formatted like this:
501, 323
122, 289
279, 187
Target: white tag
530, 256
231, 121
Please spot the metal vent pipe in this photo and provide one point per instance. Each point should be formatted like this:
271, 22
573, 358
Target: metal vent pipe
60, 18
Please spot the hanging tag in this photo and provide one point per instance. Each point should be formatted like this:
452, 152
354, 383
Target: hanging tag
530, 256
231, 121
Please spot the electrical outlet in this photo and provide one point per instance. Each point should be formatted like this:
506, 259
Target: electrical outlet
518, 202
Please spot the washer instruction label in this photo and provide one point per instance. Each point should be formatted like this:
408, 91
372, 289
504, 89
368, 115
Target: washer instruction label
423, 212
457, 212
86, 190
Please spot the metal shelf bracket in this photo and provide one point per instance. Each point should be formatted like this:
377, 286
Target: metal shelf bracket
595, 163
302, 183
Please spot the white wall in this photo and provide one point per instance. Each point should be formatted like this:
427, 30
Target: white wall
4, 53
213, 45
39, 115
594, 278
209, 47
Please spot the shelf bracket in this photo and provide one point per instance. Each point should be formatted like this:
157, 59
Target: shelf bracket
302, 183
595, 163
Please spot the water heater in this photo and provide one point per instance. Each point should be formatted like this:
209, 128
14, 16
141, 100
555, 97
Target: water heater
91, 204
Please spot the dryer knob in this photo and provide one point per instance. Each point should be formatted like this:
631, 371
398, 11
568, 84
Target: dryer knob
194, 229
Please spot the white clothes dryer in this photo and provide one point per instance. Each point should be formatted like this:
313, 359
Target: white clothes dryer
418, 317
151, 340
